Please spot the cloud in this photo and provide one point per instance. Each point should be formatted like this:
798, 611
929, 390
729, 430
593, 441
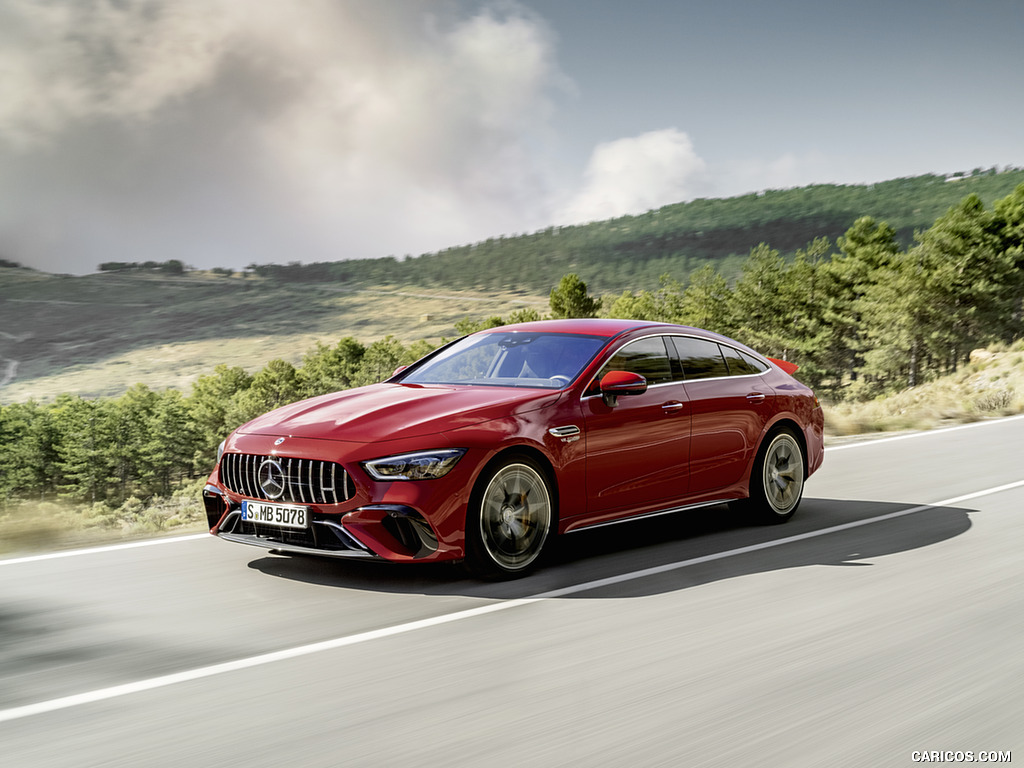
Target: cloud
223, 133
68, 62
633, 175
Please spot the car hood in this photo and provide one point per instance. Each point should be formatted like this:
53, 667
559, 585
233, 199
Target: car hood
395, 411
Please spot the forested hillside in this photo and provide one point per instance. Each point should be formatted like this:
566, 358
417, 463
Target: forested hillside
865, 315
634, 251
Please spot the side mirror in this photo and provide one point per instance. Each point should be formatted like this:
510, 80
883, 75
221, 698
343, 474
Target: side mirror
615, 383
399, 369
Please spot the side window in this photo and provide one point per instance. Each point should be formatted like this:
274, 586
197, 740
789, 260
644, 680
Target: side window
648, 357
701, 358
742, 364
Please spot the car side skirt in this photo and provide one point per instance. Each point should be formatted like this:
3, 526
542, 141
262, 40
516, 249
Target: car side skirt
646, 515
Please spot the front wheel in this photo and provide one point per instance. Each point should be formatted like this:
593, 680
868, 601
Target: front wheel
777, 479
510, 516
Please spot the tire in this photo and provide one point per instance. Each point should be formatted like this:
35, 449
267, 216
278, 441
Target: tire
777, 478
511, 512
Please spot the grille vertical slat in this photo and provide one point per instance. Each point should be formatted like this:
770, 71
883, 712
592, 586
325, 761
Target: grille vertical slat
306, 481
286, 464
251, 469
246, 475
250, 475
293, 483
295, 474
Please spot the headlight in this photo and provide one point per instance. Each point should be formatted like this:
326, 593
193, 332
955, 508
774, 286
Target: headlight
422, 465
220, 450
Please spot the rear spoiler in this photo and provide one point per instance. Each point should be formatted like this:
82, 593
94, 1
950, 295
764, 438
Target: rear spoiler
788, 367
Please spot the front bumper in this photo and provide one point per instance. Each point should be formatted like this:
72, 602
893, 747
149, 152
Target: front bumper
398, 521
323, 537
379, 521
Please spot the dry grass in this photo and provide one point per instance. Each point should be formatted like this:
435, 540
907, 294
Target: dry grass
26, 526
991, 386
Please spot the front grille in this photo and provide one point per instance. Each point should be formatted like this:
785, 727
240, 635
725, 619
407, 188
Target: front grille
304, 481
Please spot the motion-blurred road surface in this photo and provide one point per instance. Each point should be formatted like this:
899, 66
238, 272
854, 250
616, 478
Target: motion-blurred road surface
886, 618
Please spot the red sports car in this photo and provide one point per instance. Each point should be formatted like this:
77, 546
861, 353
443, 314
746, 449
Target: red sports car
487, 447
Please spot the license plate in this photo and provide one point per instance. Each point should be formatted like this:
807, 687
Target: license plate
281, 515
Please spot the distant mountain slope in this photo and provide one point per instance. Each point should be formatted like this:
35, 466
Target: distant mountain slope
633, 251
99, 334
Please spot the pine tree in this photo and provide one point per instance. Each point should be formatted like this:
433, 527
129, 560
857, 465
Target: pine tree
706, 301
570, 299
761, 316
169, 446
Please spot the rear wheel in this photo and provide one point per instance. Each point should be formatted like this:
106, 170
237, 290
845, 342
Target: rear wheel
510, 517
777, 479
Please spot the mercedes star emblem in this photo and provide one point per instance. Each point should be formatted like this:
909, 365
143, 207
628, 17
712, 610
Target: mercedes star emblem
271, 478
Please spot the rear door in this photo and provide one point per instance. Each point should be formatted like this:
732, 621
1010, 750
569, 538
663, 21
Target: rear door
730, 405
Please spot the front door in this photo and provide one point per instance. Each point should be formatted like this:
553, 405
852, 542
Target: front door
638, 449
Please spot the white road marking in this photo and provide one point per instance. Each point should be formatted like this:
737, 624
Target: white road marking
774, 542
107, 548
103, 694
923, 433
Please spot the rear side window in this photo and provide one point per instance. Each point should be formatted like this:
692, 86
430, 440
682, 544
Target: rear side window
701, 358
742, 364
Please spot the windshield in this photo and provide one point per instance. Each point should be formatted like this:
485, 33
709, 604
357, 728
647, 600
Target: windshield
514, 359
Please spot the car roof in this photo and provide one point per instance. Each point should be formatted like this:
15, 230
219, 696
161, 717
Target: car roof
605, 327
611, 327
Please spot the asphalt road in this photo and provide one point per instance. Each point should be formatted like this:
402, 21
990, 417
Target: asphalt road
886, 618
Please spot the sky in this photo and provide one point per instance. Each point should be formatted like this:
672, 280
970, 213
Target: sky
227, 132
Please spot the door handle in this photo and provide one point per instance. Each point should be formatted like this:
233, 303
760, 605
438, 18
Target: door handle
672, 407
755, 397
